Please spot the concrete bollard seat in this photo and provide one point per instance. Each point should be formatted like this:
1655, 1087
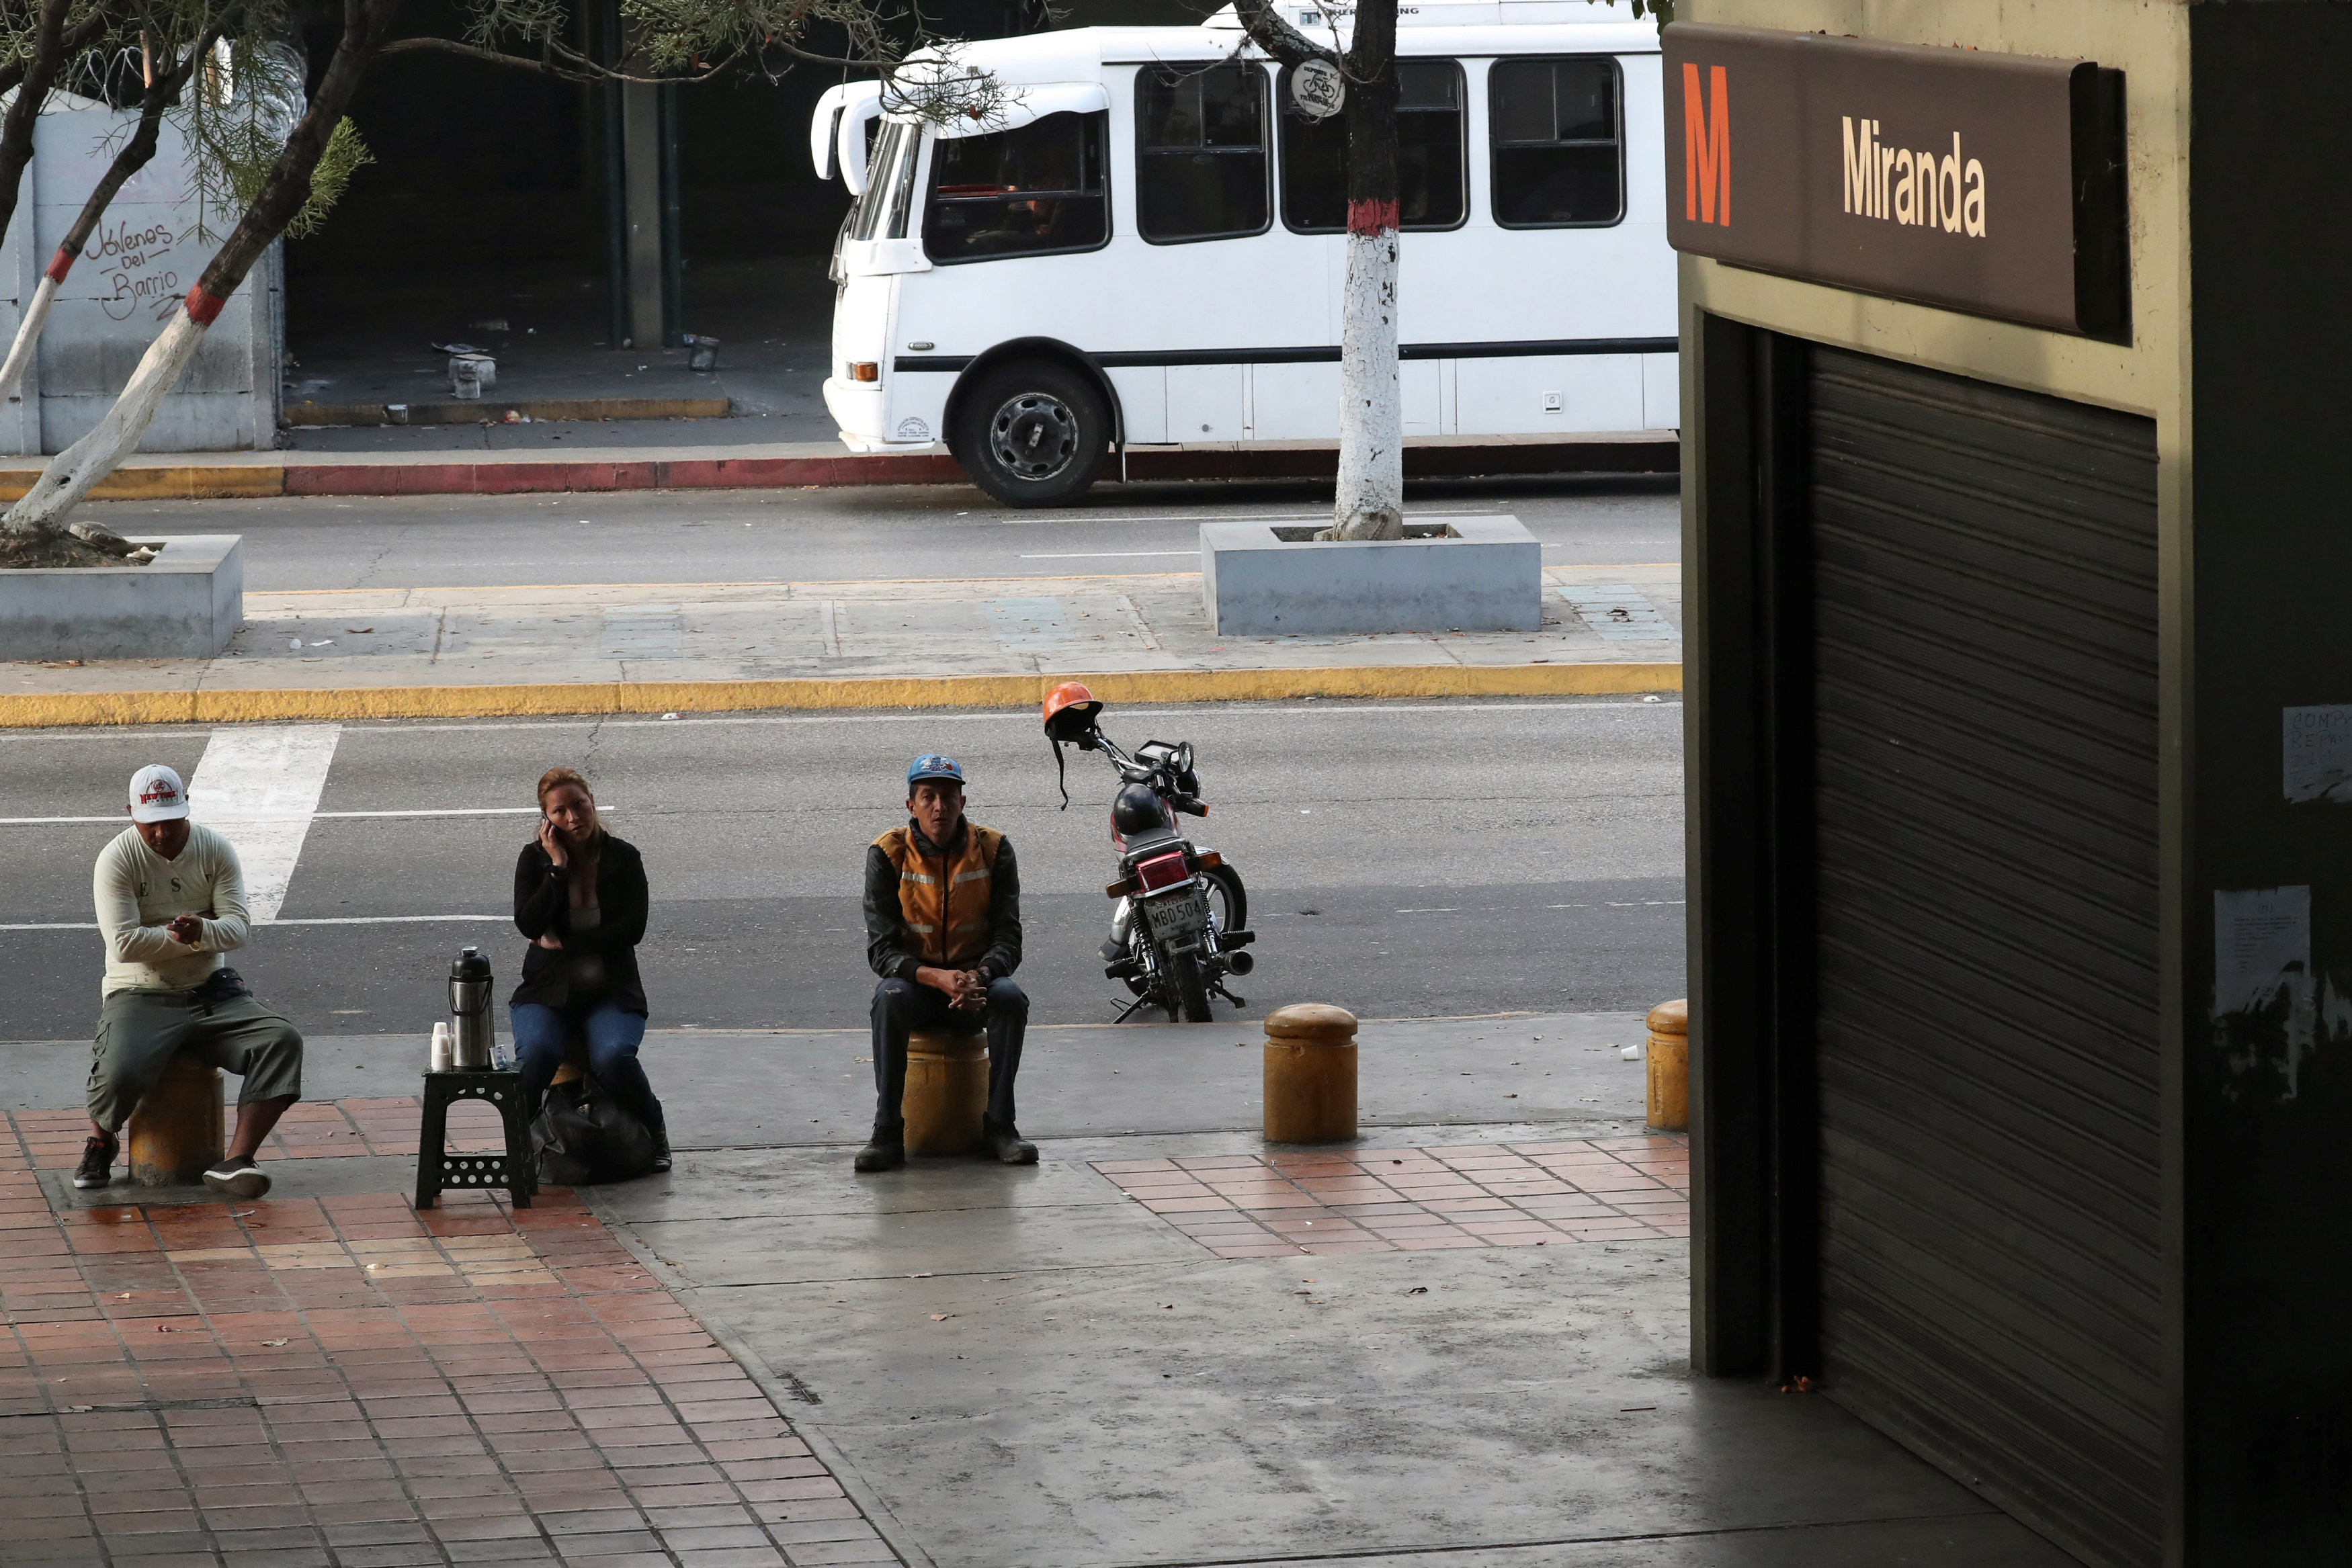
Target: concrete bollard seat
575, 1063
947, 1091
180, 1129
1310, 1074
1669, 1063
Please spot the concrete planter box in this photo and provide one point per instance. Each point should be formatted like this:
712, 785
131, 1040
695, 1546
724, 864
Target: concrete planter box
1468, 574
186, 603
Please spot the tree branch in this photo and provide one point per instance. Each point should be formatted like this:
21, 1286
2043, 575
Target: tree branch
1278, 37
563, 64
77, 38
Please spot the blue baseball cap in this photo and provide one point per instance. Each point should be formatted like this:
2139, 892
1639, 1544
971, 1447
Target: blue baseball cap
933, 767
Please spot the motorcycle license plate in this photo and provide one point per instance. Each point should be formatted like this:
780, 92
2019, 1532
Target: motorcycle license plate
1178, 916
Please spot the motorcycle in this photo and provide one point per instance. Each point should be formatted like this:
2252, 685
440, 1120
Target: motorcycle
1180, 923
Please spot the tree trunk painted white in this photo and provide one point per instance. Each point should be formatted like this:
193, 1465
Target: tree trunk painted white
1370, 501
28, 335
72, 473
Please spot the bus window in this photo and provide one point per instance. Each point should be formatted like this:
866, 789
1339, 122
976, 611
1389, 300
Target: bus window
1200, 153
1025, 192
1559, 144
1431, 189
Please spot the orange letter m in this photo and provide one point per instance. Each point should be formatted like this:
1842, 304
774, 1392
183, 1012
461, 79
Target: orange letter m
1707, 149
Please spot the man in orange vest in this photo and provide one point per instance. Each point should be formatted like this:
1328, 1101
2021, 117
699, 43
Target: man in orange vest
943, 930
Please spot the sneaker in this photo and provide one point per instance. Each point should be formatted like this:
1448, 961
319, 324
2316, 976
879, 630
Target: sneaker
1003, 1141
97, 1167
884, 1151
239, 1178
661, 1151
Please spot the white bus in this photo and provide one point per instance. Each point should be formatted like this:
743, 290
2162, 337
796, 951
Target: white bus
1145, 244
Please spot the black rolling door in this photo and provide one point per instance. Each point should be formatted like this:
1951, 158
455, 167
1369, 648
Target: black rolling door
1984, 647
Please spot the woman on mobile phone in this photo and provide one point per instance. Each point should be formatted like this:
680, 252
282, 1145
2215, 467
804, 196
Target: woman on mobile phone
580, 897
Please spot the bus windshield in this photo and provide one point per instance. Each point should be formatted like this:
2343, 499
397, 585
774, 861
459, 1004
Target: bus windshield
884, 211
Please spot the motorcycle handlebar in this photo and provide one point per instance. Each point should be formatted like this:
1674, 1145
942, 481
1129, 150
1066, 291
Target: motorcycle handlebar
1190, 805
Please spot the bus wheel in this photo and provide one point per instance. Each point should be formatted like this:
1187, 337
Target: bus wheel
1032, 434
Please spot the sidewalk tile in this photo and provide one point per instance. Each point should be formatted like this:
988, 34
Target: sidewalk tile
493, 1386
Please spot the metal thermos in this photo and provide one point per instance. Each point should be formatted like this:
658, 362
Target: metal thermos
469, 1012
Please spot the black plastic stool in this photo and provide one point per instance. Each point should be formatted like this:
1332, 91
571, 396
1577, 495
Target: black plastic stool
437, 1169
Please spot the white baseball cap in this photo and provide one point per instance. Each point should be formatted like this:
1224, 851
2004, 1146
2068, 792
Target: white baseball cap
157, 795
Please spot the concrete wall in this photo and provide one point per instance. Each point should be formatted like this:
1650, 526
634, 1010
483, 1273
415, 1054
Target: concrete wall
124, 285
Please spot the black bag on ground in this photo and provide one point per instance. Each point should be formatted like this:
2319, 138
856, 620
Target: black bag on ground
583, 1135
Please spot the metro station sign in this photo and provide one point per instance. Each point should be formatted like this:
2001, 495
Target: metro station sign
1984, 182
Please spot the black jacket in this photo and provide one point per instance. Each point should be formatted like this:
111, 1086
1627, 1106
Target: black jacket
883, 939
542, 903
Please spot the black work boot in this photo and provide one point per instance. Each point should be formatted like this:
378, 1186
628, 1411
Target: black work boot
886, 1150
97, 1167
1003, 1141
661, 1150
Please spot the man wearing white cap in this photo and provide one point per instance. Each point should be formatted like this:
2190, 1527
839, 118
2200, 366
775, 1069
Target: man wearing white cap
170, 901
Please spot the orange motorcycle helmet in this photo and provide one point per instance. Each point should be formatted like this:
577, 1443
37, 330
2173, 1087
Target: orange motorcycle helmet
1070, 711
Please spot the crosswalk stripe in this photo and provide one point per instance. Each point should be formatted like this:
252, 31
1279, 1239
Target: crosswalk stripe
259, 787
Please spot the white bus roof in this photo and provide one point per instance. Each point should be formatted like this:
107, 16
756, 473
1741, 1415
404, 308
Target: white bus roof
1491, 27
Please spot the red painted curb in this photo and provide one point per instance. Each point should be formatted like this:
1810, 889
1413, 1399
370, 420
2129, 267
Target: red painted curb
939, 468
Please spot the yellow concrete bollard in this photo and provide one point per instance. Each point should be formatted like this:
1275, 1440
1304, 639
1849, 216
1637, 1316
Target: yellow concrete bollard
180, 1129
1310, 1074
947, 1091
1669, 1063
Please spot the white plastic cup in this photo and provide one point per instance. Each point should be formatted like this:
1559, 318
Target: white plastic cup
440, 1048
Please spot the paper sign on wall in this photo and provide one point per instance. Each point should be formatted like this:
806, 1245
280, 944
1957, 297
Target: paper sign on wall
2318, 764
2262, 945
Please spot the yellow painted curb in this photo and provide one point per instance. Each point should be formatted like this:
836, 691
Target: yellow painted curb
178, 481
79, 709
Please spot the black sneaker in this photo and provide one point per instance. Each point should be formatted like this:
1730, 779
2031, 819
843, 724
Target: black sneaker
1003, 1141
884, 1151
239, 1178
97, 1167
661, 1151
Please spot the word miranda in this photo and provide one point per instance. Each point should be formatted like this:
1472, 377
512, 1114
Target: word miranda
1917, 188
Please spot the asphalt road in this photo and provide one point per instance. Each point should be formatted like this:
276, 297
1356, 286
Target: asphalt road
1403, 859
850, 534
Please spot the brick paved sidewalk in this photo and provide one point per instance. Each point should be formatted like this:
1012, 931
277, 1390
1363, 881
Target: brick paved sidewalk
340, 1381
1380, 1200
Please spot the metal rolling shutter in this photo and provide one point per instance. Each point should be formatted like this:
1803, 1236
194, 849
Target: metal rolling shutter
1984, 639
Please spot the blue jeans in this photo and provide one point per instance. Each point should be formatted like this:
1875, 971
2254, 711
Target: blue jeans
541, 1033
902, 1006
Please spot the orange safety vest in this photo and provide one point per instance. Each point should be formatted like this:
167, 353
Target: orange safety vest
943, 903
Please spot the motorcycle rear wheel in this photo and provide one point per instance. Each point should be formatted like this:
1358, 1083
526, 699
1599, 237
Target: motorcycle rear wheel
1192, 987
1228, 903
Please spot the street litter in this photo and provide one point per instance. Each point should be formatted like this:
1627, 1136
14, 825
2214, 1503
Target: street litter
273, 1343
358, 631
1418, 1291
939, 1317
1632, 1053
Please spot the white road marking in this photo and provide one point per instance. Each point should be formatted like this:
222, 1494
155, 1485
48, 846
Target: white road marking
449, 811
321, 920
388, 919
422, 811
1332, 706
1367, 707
259, 787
